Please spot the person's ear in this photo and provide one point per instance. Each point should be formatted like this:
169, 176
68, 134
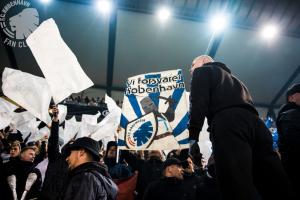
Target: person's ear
291, 98
81, 153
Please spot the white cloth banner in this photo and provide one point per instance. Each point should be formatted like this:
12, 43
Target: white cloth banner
22, 119
6, 106
6, 112
109, 125
29, 127
71, 129
5, 119
155, 112
90, 119
62, 113
29, 91
57, 62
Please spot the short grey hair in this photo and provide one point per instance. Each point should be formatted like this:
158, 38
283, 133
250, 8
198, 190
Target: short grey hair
206, 57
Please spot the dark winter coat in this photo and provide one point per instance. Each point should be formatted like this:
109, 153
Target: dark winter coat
21, 169
167, 188
215, 89
57, 170
90, 181
288, 125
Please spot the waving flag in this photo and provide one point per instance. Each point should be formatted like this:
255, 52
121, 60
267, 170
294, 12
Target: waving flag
154, 112
57, 62
29, 91
6, 112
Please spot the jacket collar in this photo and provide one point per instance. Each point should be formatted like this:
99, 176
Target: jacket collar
89, 166
172, 180
288, 106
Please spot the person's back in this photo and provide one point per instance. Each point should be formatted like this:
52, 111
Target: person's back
89, 181
221, 89
245, 161
150, 171
166, 188
288, 124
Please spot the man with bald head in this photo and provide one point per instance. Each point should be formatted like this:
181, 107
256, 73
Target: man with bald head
246, 166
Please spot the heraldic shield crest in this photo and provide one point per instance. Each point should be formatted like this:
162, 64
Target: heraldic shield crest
140, 133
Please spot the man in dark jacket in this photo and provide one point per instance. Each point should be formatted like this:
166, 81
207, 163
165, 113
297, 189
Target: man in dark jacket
288, 124
87, 179
149, 171
242, 145
170, 186
20, 168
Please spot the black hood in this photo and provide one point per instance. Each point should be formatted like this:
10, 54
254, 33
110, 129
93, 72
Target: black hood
221, 65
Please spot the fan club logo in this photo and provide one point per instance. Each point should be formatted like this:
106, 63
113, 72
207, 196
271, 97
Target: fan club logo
140, 133
18, 20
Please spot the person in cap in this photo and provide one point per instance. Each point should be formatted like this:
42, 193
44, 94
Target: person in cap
244, 159
171, 185
288, 125
87, 179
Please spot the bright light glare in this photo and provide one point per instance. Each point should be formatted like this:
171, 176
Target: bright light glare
45, 1
163, 14
219, 23
269, 32
105, 6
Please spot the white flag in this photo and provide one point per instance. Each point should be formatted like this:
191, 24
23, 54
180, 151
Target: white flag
29, 91
109, 125
5, 119
6, 112
6, 106
90, 119
62, 113
57, 62
71, 129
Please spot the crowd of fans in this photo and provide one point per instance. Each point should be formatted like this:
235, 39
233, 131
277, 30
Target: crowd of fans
178, 175
85, 169
88, 101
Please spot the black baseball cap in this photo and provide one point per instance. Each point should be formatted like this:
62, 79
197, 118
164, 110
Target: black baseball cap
171, 161
92, 146
293, 89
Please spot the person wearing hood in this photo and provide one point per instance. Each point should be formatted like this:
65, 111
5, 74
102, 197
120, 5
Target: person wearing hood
244, 158
110, 157
120, 170
288, 126
87, 179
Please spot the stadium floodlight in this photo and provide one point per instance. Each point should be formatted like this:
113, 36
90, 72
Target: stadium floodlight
105, 6
219, 23
45, 1
269, 32
163, 13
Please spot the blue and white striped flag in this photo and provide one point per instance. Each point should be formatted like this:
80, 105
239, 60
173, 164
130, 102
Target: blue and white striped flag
154, 112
